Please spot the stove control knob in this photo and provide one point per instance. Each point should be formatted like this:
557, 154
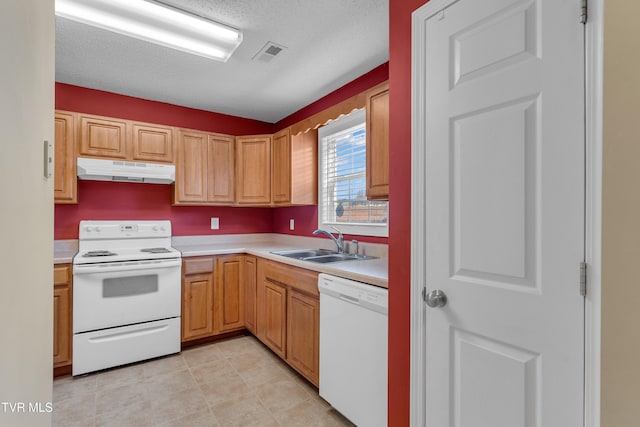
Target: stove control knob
89, 229
98, 229
155, 228
162, 228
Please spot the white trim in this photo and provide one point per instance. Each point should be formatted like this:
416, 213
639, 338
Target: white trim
593, 205
594, 34
418, 211
343, 123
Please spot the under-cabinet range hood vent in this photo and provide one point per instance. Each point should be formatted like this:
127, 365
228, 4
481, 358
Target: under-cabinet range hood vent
125, 171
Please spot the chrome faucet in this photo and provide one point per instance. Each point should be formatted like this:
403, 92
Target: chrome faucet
339, 241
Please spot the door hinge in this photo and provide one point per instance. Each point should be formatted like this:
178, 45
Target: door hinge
583, 279
583, 11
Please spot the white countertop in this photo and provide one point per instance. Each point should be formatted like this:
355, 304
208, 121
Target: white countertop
64, 251
372, 271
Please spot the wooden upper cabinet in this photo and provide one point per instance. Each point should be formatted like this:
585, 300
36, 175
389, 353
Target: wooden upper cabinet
253, 170
304, 168
228, 295
281, 167
102, 137
152, 143
378, 142
65, 185
204, 169
221, 170
191, 167
294, 168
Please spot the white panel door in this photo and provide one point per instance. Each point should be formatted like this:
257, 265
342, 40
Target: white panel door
499, 120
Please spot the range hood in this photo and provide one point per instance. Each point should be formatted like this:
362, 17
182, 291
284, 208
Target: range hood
125, 171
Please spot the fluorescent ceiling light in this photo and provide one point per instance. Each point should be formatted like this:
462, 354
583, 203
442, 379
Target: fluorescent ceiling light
155, 23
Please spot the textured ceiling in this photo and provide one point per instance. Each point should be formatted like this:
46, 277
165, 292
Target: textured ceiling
329, 43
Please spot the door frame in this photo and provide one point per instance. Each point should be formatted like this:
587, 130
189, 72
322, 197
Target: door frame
594, 34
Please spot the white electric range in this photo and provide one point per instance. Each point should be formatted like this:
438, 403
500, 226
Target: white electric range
126, 294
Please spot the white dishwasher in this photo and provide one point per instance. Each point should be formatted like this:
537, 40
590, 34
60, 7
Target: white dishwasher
353, 349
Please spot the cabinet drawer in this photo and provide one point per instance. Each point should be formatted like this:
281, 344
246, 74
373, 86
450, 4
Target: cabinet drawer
297, 278
61, 275
197, 265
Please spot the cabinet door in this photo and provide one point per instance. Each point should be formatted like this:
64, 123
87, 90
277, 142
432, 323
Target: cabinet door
61, 315
100, 137
221, 170
197, 306
275, 317
281, 167
65, 183
229, 294
191, 168
253, 170
249, 278
304, 168
303, 329
152, 143
378, 142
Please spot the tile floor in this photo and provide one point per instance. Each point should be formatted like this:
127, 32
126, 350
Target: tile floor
237, 382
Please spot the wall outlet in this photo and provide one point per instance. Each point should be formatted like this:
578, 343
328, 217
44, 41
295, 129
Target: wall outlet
215, 223
292, 224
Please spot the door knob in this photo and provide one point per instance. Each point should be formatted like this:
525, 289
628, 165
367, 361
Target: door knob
436, 299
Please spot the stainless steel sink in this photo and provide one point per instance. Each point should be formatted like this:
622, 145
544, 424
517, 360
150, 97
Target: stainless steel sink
320, 255
305, 253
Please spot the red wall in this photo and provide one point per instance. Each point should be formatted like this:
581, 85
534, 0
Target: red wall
121, 200
362, 83
306, 220
400, 207
114, 200
75, 98
306, 217
130, 201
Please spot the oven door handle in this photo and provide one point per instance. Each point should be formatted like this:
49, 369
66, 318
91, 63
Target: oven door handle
125, 266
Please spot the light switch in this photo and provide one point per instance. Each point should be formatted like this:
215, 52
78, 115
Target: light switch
291, 224
215, 223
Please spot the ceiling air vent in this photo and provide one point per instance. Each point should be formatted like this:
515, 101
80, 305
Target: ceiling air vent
268, 52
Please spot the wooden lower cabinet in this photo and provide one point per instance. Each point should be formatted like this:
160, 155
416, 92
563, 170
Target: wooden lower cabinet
213, 299
288, 315
278, 303
274, 328
303, 328
250, 270
228, 296
62, 288
197, 298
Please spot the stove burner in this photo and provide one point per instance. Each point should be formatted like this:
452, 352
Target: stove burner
156, 250
98, 253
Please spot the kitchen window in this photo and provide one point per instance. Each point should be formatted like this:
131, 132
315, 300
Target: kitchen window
342, 200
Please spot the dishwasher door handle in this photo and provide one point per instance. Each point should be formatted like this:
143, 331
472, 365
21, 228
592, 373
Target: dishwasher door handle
349, 299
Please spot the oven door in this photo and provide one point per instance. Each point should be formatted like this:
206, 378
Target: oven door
123, 293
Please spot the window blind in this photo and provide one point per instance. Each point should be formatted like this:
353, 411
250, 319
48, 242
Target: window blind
344, 180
